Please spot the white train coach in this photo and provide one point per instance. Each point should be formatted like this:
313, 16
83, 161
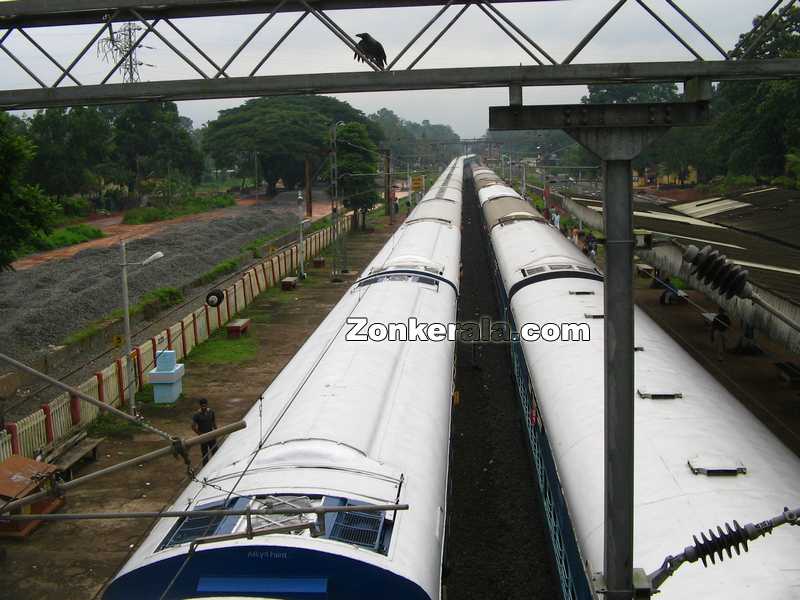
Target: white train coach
345, 424
701, 457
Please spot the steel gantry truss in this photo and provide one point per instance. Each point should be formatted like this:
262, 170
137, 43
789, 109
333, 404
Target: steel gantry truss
215, 78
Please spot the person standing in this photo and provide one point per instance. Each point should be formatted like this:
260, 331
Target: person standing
203, 421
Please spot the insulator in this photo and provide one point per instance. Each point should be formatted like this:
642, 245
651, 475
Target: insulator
721, 274
705, 262
691, 253
714, 267
733, 538
738, 285
723, 280
700, 258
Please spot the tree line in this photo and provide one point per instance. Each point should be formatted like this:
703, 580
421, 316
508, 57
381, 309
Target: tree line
60, 164
754, 135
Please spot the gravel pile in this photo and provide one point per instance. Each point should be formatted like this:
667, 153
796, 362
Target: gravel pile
41, 306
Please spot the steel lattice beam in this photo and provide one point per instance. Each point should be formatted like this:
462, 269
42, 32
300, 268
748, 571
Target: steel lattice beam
329, 83
38, 13
222, 82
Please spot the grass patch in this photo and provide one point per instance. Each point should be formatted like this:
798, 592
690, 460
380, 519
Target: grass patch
277, 295
255, 247
151, 304
146, 397
68, 236
220, 186
678, 283
91, 330
217, 271
197, 204
219, 350
106, 425
62, 237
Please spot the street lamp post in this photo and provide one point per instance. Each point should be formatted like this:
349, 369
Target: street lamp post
127, 320
301, 243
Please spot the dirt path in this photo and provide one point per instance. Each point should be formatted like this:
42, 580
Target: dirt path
73, 560
115, 231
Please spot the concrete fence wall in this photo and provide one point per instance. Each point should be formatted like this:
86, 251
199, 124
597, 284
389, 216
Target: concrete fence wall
65, 415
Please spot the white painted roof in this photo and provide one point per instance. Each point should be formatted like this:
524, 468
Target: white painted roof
671, 502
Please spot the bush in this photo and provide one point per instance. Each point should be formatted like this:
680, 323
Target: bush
67, 236
145, 214
154, 302
196, 204
75, 206
784, 182
220, 269
106, 425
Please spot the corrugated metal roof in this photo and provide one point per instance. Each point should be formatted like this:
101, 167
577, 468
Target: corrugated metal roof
743, 234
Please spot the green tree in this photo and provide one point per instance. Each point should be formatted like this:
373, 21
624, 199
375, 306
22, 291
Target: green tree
356, 156
70, 144
152, 142
627, 93
283, 131
759, 122
27, 212
408, 140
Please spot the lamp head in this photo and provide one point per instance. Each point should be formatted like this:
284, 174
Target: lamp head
152, 258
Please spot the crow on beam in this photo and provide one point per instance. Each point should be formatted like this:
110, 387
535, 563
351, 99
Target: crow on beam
372, 49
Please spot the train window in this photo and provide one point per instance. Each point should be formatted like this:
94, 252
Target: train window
586, 269
561, 267
534, 271
188, 529
367, 530
580, 293
401, 277
590, 316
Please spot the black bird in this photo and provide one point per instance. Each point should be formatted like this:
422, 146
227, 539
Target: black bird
371, 48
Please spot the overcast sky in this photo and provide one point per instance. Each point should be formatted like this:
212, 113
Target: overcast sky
473, 41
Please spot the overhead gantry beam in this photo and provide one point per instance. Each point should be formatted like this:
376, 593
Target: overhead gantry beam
422, 79
40, 13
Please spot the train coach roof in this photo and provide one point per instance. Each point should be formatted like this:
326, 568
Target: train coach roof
496, 191
436, 209
451, 194
487, 180
508, 208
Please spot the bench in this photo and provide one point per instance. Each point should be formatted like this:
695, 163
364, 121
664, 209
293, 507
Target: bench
789, 372
319, 261
288, 283
237, 327
71, 457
